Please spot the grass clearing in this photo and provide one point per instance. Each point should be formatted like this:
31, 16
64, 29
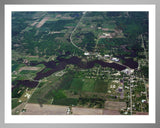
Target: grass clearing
88, 85
26, 95
66, 101
76, 84
109, 26
28, 71
38, 95
101, 86
66, 81
43, 93
16, 66
15, 102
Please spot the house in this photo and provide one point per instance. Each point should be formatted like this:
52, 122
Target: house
106, 34
115, 59
109, 91
120, 89
126, 87
125, 112
106, 56
143, 101
68, 111
86, 53
128, 71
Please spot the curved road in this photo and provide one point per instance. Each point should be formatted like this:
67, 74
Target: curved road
74, 31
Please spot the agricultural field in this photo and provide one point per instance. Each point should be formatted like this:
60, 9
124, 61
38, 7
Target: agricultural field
80, 63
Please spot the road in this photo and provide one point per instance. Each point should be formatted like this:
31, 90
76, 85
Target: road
145, 88
74, 31
131, 99
143, 46
22, 106
96, 42
146, 61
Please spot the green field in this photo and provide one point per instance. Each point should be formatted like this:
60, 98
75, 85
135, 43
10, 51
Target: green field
76, 84
38, 95
66, 101
66, 81
88, 85
44, 92
101, 86
15, 103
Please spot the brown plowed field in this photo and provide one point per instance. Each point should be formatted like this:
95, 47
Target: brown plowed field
29, 68
110, 112
36, 109
42, 22
86, 111
112, 105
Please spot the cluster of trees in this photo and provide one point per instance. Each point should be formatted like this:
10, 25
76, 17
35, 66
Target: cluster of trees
17, 92
91, 102
57, 25
135, 24
88, 41
38, 41
19, 21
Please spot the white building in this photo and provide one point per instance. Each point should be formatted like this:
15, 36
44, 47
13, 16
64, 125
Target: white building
128, 71
115, 59
106, 56
143, 101
106, 34
86, 53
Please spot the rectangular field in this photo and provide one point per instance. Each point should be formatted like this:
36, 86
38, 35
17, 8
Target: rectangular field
86, 111
88, 85
36, 109
113, 105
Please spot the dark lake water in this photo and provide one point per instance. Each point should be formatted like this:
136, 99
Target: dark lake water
61, 62
26, 83
130, 63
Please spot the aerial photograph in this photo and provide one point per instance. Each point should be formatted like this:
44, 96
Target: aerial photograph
80, 63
